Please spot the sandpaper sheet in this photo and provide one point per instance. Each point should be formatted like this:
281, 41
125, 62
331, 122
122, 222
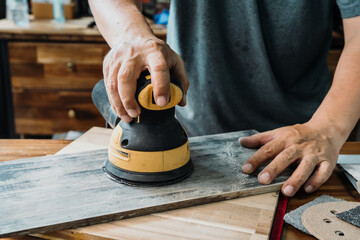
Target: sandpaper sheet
66, 191
294, 217
351, 216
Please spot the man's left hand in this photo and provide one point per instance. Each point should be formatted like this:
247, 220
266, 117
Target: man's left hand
301, 144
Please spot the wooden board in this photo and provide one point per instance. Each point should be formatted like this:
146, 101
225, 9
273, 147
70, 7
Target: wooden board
242, 218
247, 218
77, 192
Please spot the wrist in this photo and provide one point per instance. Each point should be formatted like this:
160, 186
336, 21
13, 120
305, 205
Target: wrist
134, 27
330, 129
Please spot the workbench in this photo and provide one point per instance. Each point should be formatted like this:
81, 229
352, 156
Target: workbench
337, 186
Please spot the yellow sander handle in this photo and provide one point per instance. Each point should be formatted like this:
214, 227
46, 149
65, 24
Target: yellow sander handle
145, 95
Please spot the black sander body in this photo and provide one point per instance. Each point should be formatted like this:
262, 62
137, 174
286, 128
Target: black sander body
151, 150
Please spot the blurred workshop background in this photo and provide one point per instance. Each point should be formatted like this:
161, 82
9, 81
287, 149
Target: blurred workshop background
51, 57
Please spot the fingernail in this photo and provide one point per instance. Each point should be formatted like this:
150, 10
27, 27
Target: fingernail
242, 139
309, 188
133, 113
264, 178
161, 101
288, 190
125, 118
247, 168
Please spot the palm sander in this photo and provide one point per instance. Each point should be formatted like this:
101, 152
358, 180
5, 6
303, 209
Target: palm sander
151, 150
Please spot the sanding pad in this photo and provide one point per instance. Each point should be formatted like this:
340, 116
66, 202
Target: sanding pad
294, 217
321, 221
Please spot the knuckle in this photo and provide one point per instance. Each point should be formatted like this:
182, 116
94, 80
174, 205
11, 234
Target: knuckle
111, 87
309, 163
186, 85
124, 75
155, 44
268, 150
127, 101
160, 66
121, 111
290, 154
299, 179
327, 173
322, 179
273, 169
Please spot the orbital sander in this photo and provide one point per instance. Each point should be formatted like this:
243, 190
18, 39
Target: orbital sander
152, 149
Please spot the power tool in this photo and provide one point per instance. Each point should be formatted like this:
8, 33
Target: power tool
152, 149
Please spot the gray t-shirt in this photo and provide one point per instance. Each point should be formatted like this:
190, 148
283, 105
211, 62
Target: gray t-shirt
253, 64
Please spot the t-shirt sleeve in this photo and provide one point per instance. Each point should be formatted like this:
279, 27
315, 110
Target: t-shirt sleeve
349, 8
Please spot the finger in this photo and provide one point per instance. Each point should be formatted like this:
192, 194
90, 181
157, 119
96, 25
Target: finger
279, 164
123, 115
257, 140
299, 176
263, 155
128, 74
320, 176
180, 73
160, 77
111, 85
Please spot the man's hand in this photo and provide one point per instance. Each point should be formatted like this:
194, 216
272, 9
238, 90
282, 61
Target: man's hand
123, 65
134, 48
300, 144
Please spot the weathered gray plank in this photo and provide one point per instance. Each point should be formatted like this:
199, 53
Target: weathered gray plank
64, 191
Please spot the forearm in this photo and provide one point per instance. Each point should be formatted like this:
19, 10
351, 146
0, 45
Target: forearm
340, 109
118, 19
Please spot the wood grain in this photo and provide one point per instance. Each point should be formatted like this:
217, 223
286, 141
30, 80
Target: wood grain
76, 186
11, 149
248, 214
55, 66
49, 80
243, 218
43, 112
255, 212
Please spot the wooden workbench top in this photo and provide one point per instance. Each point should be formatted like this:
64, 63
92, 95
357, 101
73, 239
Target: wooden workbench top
71, 29
337, 186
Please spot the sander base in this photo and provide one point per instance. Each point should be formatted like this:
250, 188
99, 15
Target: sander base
147, 179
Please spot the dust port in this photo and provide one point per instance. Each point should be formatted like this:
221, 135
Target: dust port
124, 142
123, 153
340, 233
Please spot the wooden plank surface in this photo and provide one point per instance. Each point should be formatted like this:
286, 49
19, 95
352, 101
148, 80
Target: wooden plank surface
250, 216
243, 218
221, 181
337, 186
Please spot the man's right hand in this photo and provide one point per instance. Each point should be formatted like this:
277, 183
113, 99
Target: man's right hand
124, 63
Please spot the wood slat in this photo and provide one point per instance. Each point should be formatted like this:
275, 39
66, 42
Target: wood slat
231, 219
12, 149
33, 76
50, 112
22, 52
76, 188
71, 52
